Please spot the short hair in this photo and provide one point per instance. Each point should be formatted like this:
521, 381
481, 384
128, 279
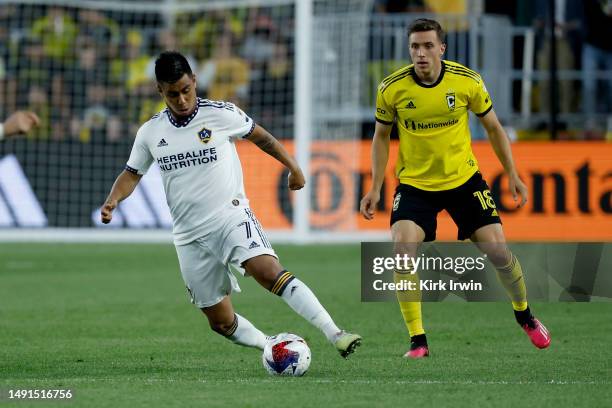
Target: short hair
426, 24
170, 66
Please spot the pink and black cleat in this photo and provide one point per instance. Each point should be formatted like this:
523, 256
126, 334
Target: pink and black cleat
419, 352
538, 334
418, 347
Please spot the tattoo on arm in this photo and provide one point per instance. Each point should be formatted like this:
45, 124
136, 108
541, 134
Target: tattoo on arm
269, 145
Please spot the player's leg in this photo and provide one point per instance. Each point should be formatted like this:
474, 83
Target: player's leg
491, 241
209, 284
407, 236
231, 325
269, 273
413, 220
247, 250
472, 208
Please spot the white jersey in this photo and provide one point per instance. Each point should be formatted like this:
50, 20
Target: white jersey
199, 164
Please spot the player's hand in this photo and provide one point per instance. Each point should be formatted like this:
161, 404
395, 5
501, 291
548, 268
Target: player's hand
296, 180
368, 204
518, 187
107, 211
20, 122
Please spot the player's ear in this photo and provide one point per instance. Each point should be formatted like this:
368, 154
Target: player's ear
159, 89
442, 49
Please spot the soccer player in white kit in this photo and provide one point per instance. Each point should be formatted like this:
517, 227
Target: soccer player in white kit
215, 232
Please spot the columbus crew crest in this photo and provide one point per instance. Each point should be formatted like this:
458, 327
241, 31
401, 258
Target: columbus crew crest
205, 135
450, 101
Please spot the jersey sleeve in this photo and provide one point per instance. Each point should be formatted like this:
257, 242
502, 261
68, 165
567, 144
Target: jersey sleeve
239, 124
140, 157
385, 112
480, 102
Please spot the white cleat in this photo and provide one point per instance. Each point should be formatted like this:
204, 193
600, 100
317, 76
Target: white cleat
346, 343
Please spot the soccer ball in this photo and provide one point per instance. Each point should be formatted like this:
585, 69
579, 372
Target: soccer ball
286, 354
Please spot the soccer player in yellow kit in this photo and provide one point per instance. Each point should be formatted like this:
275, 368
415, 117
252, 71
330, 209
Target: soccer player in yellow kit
429, 102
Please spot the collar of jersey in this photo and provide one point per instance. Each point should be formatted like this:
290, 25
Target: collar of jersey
418, 81
185, 121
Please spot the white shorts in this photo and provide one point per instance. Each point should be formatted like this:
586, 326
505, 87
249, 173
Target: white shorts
208, 264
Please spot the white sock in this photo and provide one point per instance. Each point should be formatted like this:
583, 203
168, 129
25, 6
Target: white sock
246, 334
301, 299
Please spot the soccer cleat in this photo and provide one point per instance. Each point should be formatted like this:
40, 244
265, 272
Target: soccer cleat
346, 343
538, 334
418, 347
418, 352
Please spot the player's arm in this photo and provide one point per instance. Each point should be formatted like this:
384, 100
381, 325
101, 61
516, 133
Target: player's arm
20, 122
137, 165
124, 185
269, 144
380, 157
501, 145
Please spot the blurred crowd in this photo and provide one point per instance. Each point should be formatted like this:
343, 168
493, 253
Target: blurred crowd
89, 74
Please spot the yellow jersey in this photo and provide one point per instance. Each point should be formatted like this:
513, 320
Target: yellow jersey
432, 121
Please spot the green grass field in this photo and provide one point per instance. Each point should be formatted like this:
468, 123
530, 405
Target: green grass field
113, 324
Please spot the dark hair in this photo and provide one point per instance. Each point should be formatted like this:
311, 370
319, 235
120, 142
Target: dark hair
170, 66
426, 24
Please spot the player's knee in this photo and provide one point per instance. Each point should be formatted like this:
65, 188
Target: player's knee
499, 255
405, 238
264, 269
407, 232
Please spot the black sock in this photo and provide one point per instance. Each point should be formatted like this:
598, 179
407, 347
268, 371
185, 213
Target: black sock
418, 341
524, 317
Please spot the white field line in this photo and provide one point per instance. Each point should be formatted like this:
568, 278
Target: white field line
69, 381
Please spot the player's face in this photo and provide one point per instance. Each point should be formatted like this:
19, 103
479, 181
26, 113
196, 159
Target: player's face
426, 51
180, 97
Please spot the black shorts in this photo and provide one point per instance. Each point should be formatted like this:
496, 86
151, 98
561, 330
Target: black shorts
470, 205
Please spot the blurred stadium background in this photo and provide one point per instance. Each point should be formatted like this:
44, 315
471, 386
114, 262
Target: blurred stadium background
306, 70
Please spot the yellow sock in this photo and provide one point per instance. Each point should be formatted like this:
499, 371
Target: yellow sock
410, 302
511, 277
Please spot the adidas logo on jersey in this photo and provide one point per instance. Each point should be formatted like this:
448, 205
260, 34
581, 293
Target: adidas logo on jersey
162, 143
411, 105
254, 245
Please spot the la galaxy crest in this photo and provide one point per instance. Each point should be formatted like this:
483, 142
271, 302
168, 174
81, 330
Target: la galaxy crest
205, 135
